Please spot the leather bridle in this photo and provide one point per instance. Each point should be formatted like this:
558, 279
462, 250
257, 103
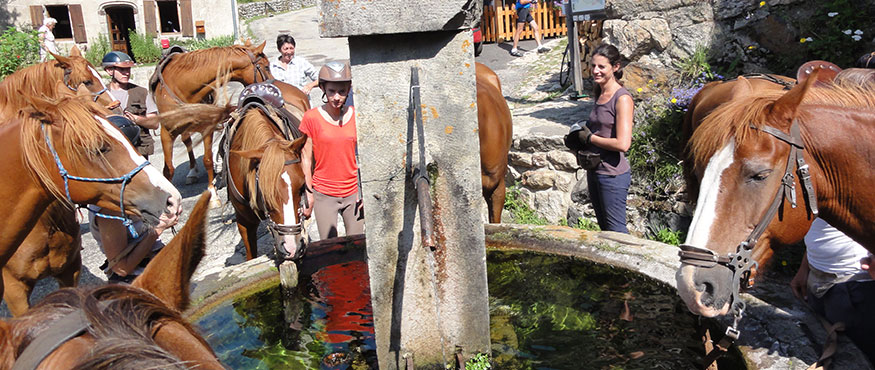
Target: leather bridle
94, 95
259, 71
741, 262
290, 132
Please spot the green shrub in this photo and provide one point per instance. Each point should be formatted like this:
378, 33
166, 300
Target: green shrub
837, 32
197, 44
669, 236
480, 361
18, 49
144, 48
519, 210
97, 48
587, 224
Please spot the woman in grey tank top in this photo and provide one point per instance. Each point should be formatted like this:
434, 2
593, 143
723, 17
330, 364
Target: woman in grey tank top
609, 133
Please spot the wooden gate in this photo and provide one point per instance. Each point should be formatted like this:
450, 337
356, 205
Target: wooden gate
499, 22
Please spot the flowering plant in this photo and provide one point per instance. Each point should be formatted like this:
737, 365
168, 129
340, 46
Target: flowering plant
835, 32
18, 49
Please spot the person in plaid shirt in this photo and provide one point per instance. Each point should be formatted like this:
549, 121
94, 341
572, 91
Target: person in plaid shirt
292, 69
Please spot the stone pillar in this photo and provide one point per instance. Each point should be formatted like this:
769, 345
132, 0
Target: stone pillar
426, 306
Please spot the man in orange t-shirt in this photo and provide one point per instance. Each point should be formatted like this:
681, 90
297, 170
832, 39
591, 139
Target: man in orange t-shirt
332, 184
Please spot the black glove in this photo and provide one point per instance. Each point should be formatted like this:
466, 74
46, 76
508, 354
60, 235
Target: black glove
584, 135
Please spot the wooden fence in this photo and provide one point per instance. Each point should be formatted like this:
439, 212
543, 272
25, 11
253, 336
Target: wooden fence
499, 22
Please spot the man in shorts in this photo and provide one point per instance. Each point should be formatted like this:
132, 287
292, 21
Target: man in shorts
524, 15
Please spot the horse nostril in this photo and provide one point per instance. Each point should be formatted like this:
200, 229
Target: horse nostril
707, 290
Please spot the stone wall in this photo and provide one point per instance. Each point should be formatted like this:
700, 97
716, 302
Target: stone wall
655, 35
250, 10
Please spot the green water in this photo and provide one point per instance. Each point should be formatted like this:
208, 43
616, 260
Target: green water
547, 312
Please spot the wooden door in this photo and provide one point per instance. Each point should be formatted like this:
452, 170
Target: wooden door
116, 35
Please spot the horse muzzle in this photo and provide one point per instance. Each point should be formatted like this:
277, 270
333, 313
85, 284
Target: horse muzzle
705, 290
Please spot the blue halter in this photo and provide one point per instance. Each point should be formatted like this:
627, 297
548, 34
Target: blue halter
122, 179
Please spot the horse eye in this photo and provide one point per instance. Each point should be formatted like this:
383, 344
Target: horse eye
761, 176
88, 83
105, 148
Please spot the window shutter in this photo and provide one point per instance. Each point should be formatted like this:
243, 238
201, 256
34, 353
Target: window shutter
149, 7
185, 18
78, 23
36, 16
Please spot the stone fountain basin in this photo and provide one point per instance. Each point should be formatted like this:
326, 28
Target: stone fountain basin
778, 332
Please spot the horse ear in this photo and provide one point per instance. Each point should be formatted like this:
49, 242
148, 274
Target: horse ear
75, 52
168, 275
741, 88
784, 108
63, 61
298, 145
39, 108
250, 154
260, 48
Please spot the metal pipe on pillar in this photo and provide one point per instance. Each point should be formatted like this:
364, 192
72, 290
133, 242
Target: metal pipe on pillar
429, 304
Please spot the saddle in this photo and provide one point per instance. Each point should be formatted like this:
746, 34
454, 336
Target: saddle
157, 76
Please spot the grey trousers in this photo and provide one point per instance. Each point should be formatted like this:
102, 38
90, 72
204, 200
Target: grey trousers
326, 208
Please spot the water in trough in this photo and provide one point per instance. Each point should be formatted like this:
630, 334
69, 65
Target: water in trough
546, 311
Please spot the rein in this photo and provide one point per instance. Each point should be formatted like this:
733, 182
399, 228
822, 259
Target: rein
124, 180
95, 95
69, 326
741, 262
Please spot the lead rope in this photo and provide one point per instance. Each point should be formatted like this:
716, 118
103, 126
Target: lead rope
122, 179
420, 178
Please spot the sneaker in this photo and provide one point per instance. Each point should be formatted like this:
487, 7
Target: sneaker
543, 49
516, 53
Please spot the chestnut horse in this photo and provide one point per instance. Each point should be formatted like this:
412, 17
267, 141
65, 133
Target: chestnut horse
751, 146
495, 129
64, 150
119, 326
52, 247
192, 77
41, 80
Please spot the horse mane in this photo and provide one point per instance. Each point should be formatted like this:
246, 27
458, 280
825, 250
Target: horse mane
36, 80
734, 119
199, 58
82, 138
122, 320
260, 132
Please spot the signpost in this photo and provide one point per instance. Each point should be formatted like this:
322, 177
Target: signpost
578, 11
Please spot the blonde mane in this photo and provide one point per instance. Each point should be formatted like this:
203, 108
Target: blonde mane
81, 139
257, 131
733, 120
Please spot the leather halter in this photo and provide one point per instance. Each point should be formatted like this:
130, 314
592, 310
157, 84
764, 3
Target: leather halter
741, 262
94, 95
259, 71
290, 132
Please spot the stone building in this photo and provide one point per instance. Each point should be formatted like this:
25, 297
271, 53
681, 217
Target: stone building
82, 21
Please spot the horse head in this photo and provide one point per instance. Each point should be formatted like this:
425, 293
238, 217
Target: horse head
82, 158
119, 326
276, 185
78, 71
746, 155
251, 65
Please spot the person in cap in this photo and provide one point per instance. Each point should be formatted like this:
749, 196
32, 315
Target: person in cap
137, 103
329, 156
127, 255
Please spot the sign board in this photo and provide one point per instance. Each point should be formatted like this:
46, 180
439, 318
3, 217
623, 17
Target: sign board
587, 6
